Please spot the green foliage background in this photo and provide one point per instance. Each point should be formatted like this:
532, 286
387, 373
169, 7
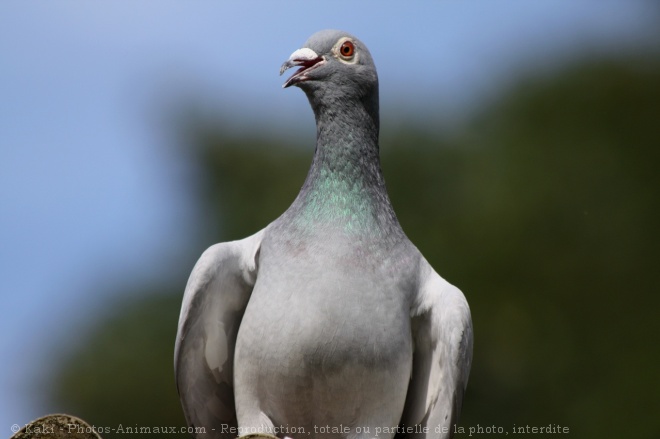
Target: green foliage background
543, 210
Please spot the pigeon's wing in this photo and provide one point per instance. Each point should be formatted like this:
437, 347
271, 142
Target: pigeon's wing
442, 336
216, 295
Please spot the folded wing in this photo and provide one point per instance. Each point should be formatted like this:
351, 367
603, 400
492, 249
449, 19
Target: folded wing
216, 295
442, 331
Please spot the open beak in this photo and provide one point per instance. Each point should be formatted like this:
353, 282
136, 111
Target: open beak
307, 59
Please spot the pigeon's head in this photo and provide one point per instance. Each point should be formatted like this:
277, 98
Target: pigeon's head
333, 62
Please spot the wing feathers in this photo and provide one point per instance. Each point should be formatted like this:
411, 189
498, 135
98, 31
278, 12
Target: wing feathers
442, 331
214, 301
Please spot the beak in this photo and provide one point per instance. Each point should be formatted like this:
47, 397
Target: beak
307, 59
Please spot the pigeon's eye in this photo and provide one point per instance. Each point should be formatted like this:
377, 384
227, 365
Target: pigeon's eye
347, 49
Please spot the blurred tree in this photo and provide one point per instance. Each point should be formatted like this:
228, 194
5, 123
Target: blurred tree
557, 240
122, 374
544, 212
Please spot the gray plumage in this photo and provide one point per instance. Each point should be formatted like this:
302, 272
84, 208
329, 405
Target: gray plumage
329, 316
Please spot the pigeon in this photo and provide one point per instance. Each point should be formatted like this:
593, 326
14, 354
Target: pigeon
329, 322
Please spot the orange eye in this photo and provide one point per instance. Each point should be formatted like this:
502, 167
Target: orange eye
347, 49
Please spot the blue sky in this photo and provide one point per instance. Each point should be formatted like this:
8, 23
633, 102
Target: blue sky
94, 197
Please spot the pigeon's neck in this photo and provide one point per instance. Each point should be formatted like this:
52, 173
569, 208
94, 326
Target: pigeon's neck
345, 187
347, 147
